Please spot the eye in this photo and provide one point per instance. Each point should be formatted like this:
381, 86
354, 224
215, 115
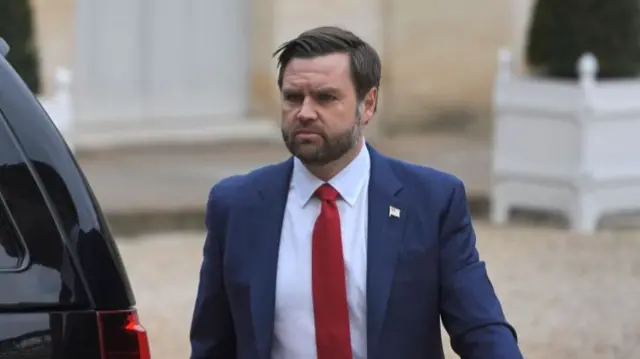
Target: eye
293, 97
325, 97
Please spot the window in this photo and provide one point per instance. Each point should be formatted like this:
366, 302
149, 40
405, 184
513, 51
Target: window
12, 251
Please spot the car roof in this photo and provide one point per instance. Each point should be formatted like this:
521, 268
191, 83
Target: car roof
4, 48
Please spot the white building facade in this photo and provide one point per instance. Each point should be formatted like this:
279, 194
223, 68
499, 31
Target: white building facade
143, 70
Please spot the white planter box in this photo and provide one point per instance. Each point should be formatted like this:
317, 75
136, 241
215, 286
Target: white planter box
571, 147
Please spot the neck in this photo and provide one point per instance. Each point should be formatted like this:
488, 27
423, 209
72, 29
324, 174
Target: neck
329, 170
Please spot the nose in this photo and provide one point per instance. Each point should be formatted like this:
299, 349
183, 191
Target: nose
307, 111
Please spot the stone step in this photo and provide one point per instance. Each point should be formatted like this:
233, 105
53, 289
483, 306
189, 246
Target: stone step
88, 138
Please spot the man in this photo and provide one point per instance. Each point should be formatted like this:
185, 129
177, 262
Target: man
340, 252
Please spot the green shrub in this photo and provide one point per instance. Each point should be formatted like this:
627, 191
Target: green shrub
562, 30
16, 28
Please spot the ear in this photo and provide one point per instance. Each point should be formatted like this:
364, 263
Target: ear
370, 104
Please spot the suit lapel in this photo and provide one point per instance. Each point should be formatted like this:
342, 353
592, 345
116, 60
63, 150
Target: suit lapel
387, 218
264, 222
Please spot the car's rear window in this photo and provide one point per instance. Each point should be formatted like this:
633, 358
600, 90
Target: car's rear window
32, 210
12, 249
35, 268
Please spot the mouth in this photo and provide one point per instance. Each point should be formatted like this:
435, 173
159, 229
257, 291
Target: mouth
306, 132
307, 136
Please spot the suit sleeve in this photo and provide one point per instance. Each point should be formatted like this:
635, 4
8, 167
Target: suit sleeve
470, 310
212, 334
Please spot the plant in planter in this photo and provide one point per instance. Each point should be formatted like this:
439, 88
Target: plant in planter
566, 134
562, 31
16, 28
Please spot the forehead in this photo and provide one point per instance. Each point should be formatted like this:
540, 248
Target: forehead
333, 70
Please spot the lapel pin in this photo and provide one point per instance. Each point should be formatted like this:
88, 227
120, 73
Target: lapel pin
394, 212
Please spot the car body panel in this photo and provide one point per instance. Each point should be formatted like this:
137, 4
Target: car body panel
61, 335
87, 235
59, 264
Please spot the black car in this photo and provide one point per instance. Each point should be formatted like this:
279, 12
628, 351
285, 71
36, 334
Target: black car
64, 291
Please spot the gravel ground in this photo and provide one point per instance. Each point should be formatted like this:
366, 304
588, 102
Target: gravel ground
568, 296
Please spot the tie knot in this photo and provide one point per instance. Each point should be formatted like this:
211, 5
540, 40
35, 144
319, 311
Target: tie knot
326, 192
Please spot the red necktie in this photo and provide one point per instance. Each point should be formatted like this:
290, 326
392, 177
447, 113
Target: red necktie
331, 313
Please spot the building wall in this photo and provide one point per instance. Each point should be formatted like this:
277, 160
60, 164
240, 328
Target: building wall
54, 25
439, 56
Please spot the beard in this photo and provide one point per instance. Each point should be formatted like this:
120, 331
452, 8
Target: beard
328, 150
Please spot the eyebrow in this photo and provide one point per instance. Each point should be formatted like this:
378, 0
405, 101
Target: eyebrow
291, 90
320, 90
326, 89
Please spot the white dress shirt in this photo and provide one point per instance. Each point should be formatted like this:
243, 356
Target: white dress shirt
294, 329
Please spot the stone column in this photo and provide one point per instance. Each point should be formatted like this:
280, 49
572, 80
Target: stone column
108, 59
162, 60
197, 55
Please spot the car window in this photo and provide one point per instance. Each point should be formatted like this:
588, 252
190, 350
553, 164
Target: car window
12, 250
35, 215
32, 256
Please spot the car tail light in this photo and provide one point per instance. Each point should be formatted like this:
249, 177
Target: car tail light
122, 336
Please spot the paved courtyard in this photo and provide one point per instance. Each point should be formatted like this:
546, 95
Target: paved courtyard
568, 296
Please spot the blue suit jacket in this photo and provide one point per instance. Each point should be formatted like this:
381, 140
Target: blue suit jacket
422, 266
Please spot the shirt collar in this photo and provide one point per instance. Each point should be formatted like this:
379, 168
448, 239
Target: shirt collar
348, 182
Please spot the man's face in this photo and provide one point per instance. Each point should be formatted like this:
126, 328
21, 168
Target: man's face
321, 117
